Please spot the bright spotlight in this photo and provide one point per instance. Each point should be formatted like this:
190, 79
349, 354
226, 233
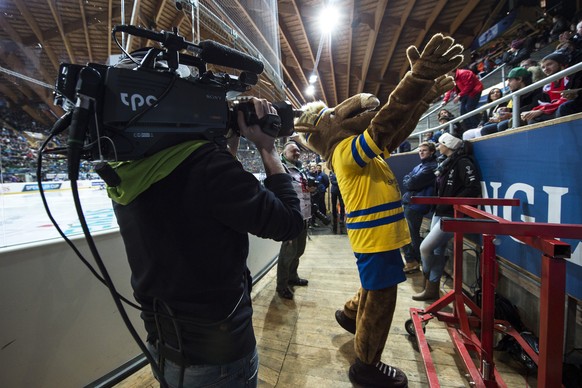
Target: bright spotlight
312, 78
310, 90
328, 19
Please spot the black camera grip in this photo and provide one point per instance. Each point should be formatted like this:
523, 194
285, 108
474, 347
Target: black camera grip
270, 123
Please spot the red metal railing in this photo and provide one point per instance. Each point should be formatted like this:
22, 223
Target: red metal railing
460, 324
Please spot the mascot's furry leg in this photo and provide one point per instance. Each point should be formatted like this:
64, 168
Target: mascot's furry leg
371, 312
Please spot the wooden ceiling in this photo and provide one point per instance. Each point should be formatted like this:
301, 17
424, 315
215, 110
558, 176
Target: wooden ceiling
365, 53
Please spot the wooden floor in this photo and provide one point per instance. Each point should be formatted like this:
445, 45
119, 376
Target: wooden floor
301, 345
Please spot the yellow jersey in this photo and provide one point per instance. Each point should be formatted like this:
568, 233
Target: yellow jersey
374, 214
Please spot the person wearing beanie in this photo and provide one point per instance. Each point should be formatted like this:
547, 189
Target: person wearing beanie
552, 97
518, 51
456, 176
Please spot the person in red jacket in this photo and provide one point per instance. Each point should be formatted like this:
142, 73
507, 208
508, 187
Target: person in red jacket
468, 90
553, 98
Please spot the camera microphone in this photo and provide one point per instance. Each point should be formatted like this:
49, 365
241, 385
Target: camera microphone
218, 54
87, 90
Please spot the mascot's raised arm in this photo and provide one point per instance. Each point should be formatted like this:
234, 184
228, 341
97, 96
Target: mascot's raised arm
355, 138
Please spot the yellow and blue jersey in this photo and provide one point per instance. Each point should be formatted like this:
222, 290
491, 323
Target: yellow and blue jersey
374, 214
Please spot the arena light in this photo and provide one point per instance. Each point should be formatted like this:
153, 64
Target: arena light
310, 90
328, 19
312, 78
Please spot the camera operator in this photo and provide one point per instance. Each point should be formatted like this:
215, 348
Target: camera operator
184, 214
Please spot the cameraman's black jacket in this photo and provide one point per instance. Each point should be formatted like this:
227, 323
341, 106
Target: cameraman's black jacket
458, 178
187, 244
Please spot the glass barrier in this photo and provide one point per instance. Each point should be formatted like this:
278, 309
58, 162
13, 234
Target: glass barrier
37, 38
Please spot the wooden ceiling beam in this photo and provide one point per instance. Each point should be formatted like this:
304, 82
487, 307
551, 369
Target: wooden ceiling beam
399, 26
8, 92
37, 32
332, 74
64, 38
109, 26
133, 21
30, 55
465, 12
305, 37
68, 28
348, 69
86, 31
283, 33
422, 34
371, 43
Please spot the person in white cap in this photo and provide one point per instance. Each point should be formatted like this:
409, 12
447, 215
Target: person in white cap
456, 177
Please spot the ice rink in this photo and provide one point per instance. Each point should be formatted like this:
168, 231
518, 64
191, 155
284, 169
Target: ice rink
25, 220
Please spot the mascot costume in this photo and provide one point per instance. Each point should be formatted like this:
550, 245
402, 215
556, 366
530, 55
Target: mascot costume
354, 138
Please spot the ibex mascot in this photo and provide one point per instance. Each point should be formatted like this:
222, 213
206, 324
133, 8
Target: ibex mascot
355, 138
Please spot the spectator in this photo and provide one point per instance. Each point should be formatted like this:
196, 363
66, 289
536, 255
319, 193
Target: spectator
572, 94
186, 239
534, 68
518, 78
336, 196
444, 116
468, 90
323, 180
559, 26
517, 52
404, 147
552, 98
456, 177
292, 250
493, 95
488, 116
418, 183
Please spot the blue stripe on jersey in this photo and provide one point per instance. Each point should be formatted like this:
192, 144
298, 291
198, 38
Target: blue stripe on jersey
366, 148
356, 155
374, 223
375, 209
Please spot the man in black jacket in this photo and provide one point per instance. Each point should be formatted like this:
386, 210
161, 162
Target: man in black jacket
518, 78
184, 214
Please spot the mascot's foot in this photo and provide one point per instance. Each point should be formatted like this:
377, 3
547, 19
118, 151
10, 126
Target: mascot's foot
345, 322
377, 375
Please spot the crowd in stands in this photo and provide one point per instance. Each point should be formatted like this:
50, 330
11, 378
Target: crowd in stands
560, 37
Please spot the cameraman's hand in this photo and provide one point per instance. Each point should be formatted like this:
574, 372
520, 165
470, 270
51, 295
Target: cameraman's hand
254, 132
265, 143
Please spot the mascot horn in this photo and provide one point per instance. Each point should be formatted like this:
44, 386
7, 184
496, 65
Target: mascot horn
355, 138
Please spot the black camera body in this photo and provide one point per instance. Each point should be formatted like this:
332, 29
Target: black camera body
312, 182
131, 112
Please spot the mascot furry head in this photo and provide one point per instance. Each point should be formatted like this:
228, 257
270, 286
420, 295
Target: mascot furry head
324, 127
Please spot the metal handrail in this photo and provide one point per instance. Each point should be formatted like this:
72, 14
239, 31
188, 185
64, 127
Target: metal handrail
491, 73
512, 96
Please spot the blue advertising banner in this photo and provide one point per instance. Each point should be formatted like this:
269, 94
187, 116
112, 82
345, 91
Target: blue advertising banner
541, 167
493, 32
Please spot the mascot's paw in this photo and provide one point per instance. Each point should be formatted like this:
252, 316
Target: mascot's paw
377, 375
439, 56
443, 84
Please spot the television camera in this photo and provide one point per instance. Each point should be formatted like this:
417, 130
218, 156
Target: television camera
157, 97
